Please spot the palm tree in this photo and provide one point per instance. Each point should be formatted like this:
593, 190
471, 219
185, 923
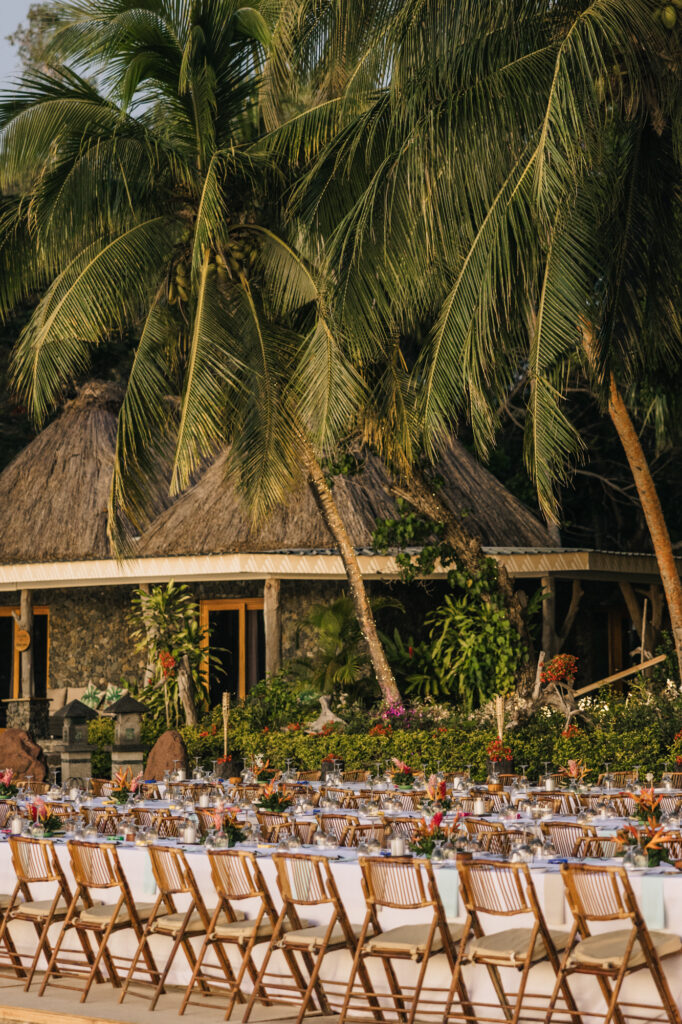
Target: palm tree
136, 202
515, 180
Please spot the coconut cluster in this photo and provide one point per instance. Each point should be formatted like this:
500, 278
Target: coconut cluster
668, 14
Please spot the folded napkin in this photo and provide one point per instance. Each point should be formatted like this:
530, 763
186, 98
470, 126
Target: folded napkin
447, 880
555, 900
148, 880
651, 901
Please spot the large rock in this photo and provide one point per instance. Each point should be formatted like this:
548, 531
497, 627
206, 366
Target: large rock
19, 752
169, 748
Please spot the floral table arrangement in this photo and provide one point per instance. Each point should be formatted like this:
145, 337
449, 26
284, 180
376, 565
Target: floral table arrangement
403, 776
227, 827
574, 773
125, 785
649, 835
428, 835
436, 793
272, 800
8, 789
41, 817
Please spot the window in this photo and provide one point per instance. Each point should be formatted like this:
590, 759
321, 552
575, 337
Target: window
237, 639
10, 656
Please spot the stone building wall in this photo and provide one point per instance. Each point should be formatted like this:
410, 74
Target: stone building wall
89, 633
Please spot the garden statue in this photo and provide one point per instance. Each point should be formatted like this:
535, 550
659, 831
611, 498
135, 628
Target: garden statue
327, 717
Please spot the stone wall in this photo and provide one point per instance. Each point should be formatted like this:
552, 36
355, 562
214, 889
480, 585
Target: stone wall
90, 635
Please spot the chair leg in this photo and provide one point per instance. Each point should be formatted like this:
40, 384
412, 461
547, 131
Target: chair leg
422, 972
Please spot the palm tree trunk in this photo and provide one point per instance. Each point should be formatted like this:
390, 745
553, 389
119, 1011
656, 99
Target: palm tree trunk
330, 514
648, 495
653, 513
185, 691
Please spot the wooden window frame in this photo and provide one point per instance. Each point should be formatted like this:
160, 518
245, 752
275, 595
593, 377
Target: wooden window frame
222, 604
7, 612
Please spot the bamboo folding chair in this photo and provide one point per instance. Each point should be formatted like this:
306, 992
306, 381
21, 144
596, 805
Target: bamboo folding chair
149, 791
565, 835
410, 801
478, 826
174, 878
206, 818
95, 868
358, 776
236, 878
620, 778
341, 796
268, 821
589, 801
506, 890
337, 825
96, 786
500, 842
405, 827
35, 862
625, 805
597, 846
597, 893
106, 789
508, 779
407, 885
108, 823
467, 804
308, 776
304, 881
7, 809
500, 802
304, 830
144, 817
670, 804
676, 780
550, 801
167, 826
33, 787
365, 833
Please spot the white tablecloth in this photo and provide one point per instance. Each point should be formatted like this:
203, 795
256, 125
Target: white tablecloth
660, 895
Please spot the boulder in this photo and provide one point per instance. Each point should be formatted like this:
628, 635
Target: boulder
19, 752
169, 748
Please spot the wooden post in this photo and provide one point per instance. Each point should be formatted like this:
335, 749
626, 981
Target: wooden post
272, 617
549, 638
226, 720
26, 623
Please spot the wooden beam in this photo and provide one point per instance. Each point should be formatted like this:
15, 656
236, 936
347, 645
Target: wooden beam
272, 618
633, 670
26, 623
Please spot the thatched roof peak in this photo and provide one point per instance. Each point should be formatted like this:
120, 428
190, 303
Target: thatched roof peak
54, 494
101, 393
211, 518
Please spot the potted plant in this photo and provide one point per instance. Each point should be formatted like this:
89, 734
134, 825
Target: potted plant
330, 763
499, 758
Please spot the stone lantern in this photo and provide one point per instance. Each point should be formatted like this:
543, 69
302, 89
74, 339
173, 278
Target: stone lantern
127, 751
77, 751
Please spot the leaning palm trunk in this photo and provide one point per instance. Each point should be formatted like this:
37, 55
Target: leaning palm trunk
648, 497
330, 514
653, 513
185, 691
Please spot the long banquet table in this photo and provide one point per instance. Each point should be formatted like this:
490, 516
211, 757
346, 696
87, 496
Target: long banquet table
659, 892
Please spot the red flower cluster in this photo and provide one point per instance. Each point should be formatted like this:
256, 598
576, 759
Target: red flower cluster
168, 663
561, 668
570, 731
497, 751
380, 729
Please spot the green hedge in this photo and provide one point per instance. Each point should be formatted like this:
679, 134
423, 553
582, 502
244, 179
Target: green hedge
625, 731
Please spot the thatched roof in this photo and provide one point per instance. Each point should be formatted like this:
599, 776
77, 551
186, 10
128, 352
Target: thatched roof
53, 495
211, 518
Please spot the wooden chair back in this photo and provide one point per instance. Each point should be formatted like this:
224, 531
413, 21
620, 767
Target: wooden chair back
366, 832
503, 890
400, 883
308, 776
565, 835
357, 776
7, 809
337, 825
167, 826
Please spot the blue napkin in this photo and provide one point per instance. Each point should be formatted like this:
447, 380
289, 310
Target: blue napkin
148, 880
447, 880
651, 901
